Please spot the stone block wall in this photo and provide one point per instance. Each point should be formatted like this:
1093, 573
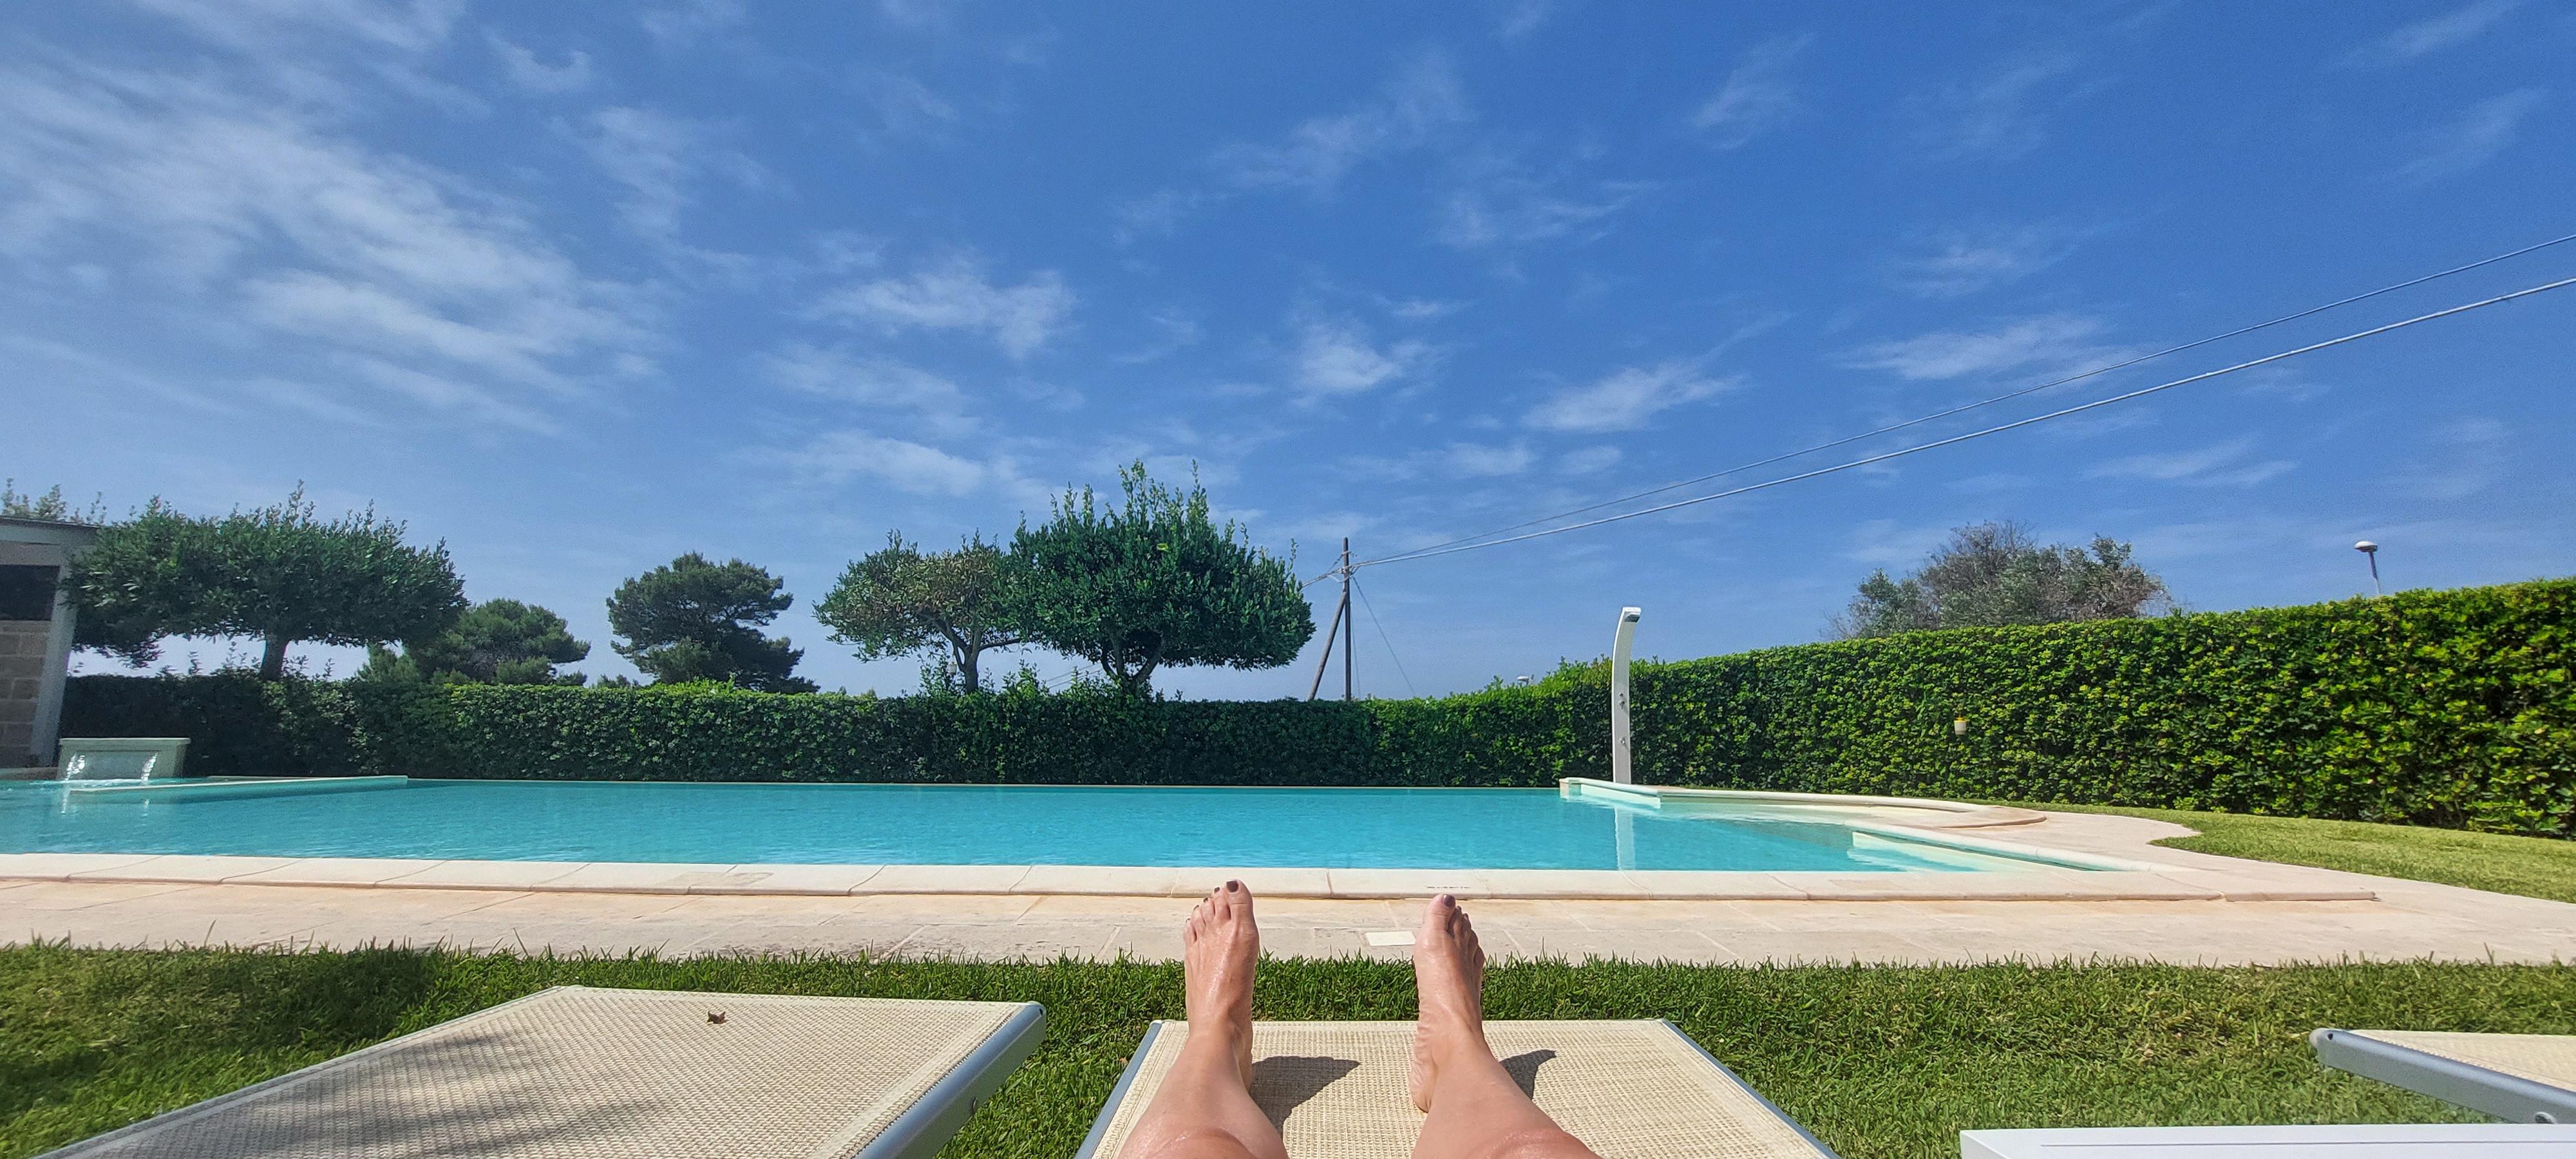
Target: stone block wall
22, 672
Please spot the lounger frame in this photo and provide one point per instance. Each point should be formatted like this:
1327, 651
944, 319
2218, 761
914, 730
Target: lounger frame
2509, 1097
1119, 1094
927, 1126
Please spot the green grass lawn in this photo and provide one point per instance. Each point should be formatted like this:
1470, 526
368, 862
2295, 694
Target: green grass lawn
1877, 1061
2531, 866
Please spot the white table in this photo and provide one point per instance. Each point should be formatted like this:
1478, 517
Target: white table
2370, 1141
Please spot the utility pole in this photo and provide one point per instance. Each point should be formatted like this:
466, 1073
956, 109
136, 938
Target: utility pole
1341, 626
1345, 617
1325, 660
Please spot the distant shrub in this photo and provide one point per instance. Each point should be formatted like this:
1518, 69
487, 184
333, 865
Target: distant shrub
2435, 708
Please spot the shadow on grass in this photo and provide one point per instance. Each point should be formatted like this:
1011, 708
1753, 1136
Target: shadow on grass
133, 1031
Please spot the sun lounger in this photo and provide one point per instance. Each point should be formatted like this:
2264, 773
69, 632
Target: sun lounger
2373, 1141
1631, 1090
613, 1074
2520, 1078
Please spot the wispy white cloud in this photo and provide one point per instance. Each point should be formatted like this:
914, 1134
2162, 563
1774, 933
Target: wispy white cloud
442, 390
1514, 19
114, 375
370, 315
1423, 99
1896, 546
1484, 460
1338, 357
2001, 112
2458, 459
905, 107
403, 25
2219, 465
2486, 129
1628, 398
2095, 424
2434, 33
1457, 460
1952, 262
657, 157
1990, 483
228, 203
1588, 460
536, 76
918, 15
933, 404
677, 25
1423, 309
2048, 342
1759, 94
1500, 203
1173, 332
1156, 214
907, 466
956, 295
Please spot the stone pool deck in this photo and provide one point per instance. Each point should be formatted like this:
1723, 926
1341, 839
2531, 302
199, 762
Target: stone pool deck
2167, 905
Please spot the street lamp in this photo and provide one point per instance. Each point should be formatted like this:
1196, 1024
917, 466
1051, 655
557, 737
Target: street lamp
1620, 640
2370, 551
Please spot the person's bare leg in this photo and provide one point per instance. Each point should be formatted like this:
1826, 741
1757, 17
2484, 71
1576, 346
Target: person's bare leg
1474, 1109
1204, 1109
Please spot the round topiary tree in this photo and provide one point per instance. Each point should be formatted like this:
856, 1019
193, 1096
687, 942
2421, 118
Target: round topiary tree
1151, 583
278, 573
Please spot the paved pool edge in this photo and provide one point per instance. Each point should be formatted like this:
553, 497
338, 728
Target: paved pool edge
2169, 883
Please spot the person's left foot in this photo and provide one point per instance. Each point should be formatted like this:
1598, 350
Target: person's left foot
1223, 948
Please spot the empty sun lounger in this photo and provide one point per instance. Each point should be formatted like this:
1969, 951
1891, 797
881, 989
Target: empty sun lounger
2374, 1141
1631, 1090
624, 1074
2520, 1078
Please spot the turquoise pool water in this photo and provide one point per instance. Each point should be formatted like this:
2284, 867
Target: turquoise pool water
955, 825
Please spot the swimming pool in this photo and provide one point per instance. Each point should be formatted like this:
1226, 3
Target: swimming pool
627, 821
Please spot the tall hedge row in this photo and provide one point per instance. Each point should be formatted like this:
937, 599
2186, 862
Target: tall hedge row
2439, 708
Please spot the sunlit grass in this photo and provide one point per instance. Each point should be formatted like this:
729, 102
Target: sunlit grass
2543, 867
1877, 1061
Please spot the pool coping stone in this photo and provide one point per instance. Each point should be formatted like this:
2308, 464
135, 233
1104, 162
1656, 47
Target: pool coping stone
2166, 883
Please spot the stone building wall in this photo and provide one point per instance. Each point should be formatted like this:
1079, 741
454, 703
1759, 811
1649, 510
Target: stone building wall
22, 671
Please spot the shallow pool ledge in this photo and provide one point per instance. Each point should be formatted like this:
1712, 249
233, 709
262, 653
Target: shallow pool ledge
2039, 884
1911, 812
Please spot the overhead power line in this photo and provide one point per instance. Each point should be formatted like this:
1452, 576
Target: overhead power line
1983, 402
1427, 553
1382, 638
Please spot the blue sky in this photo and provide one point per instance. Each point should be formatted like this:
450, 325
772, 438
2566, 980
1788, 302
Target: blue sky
578, 295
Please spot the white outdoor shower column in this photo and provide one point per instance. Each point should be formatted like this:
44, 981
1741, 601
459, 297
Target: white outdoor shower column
1627, 634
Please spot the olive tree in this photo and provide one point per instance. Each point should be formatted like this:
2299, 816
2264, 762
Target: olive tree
281, 574
900, 601
1150, 582
695, 619
1991, 574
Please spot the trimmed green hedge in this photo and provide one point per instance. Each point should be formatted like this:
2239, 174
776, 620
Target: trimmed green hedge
2436, 708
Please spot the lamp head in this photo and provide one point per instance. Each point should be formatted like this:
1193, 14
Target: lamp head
2366, 547
1630, 615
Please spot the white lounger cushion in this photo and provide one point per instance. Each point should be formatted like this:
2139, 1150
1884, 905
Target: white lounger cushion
1629, 1089
584, 1073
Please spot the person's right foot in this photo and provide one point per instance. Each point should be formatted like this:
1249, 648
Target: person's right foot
1223, 947
1449, 973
